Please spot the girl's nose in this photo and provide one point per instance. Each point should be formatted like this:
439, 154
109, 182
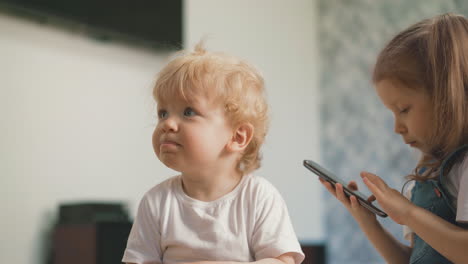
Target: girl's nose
169, 125
399, 128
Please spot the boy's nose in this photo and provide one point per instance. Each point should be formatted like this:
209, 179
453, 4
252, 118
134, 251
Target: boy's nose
169, 125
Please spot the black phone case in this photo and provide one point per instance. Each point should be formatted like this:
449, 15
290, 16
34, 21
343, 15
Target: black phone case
330, 177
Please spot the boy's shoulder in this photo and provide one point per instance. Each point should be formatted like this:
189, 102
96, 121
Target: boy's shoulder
163, 188
257, 181
259, 186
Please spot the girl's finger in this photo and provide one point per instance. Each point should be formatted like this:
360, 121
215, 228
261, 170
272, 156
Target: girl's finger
341, 195
353, 185
354, 202
376, 180
329, 187
372, 187
321, 180
371, 198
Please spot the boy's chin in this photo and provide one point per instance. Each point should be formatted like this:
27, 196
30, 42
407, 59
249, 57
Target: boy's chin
171, 164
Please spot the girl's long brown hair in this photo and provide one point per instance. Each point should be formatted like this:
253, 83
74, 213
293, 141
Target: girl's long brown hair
432, 55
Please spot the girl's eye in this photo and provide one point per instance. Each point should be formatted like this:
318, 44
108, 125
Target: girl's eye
188, 112
162, 114
404, 110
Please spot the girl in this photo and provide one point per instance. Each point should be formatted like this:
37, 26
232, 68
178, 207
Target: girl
421, 76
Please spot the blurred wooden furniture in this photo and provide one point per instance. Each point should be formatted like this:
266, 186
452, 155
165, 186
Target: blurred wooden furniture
314, 253
97, 233
105, 243
90, 233
100, 243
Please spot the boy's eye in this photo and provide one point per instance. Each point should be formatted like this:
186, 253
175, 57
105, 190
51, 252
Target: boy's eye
189, 112
162, 114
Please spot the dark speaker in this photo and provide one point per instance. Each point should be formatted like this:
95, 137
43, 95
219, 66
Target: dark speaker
98, 243
314, 253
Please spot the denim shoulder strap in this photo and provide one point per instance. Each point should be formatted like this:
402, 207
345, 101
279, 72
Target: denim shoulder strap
449, 158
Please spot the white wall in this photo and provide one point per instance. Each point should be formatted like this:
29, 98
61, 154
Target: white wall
76, 123
76, 114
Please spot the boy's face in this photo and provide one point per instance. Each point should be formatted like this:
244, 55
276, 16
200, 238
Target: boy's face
191, 136
411, 109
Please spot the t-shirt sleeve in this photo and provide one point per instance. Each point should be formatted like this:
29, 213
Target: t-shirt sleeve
143, 245
407, 232
462, 200
273, 234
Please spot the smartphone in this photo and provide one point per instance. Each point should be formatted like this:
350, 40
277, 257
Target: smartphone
333, 179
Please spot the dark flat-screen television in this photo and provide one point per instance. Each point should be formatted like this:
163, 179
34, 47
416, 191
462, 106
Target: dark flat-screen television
150, 23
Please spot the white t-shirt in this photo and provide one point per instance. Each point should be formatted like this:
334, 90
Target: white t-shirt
249, 223
457, 188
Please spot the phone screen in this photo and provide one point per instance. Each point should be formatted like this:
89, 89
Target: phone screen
333, 179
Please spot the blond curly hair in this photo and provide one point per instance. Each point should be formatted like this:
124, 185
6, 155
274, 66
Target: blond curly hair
228, 80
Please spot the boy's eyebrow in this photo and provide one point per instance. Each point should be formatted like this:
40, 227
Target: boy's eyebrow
166, 102
192, 101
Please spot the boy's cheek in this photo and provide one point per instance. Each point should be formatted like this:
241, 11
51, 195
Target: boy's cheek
154, 140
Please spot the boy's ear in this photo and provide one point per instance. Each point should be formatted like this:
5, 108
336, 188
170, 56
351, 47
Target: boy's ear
241, 137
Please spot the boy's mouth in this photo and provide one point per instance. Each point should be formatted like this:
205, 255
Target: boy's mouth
169, 143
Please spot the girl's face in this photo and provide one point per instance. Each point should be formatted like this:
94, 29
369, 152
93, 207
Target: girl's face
412, 112
191, 136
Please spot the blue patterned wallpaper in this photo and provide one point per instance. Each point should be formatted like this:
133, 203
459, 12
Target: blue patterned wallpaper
357, 132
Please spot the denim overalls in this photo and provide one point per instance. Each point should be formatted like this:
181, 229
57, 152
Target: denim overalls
432, 196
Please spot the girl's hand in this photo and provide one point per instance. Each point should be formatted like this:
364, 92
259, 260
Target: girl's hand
391, 200
361, 214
